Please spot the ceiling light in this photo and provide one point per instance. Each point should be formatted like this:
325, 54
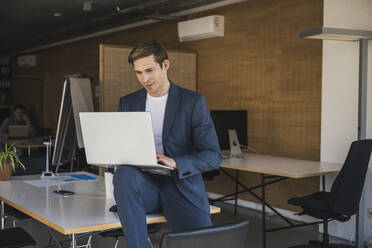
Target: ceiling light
57, 14
117, 8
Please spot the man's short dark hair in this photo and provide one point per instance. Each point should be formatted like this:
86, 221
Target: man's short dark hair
19, 106
148, 48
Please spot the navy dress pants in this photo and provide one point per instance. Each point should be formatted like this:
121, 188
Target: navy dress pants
137, 193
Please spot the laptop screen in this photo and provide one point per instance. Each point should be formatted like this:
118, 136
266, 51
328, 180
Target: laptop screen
117, 138
18, 131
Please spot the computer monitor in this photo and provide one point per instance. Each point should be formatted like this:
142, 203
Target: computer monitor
230, 119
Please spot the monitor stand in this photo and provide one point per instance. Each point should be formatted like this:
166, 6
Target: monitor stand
235, 150
47, 173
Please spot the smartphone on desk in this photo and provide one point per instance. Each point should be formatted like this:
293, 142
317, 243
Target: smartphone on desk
63, 192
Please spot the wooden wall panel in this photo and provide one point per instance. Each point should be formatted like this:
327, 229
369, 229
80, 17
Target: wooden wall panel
260, 65
116, 76
263, 66
119, 79
29, 93
52, 65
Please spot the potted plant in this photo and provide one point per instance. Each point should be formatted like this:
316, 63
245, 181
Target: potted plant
9, 161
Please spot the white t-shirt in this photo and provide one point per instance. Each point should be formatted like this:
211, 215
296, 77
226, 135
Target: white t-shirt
156, 106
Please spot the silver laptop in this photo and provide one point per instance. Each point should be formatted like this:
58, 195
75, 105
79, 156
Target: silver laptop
18, 131
120, 138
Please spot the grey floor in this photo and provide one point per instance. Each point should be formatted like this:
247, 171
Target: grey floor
284, 238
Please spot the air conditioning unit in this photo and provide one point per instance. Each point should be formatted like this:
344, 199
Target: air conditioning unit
201, 28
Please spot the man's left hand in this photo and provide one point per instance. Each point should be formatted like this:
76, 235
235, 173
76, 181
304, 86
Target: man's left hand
166, 160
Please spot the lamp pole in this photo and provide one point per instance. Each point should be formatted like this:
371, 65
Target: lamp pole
362, 131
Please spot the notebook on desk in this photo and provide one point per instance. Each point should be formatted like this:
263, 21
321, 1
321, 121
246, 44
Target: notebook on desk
120, 138
18, 131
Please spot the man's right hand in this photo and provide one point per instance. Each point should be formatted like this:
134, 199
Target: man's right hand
26, 119
167, 161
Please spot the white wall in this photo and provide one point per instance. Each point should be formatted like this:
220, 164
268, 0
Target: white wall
339, 111
340, 95
348, 14
339, 99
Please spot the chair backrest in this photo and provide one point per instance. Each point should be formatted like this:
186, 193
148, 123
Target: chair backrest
225, 236
15, 237
347, 188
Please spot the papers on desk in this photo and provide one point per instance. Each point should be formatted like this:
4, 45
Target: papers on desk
83, 177
60, 180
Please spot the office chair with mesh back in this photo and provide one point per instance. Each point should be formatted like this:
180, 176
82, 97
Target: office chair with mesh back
225, 236
343, 200
15, 237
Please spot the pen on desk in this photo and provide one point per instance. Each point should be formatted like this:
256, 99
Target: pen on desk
69, 179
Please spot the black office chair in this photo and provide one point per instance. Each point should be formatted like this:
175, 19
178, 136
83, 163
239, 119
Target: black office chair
18, 215
343, 200
118, 232
15, 237
225, 236
210, 175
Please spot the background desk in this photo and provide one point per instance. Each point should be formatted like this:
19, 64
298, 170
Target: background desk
279, 166
85, 211
36, 142
276, 169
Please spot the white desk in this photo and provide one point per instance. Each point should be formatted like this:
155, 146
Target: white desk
85, 211
275, 169
279, 166
29, 143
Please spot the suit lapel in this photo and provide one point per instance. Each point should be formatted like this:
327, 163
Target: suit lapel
140, 104
170, 110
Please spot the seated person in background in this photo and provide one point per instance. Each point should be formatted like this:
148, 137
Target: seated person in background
19, 118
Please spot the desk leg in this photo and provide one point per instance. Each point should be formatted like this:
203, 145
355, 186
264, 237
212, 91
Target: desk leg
236, 191
54, 237
263, 202
29, 151
2, 214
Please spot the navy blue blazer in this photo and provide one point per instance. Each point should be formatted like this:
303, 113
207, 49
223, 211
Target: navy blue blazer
189, 138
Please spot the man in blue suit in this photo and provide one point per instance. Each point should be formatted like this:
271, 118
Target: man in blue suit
185, 140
